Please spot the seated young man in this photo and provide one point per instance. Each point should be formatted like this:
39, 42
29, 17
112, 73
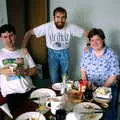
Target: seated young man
16, 67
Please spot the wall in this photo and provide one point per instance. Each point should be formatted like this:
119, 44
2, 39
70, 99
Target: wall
88, 14
3, 15
3, 12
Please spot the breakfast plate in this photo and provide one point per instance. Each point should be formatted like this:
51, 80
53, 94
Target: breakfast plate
31, 116
103, 92
102, 95
88, 111
57, 86
42, 93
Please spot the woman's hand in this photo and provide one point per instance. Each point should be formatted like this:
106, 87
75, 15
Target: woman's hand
110, 81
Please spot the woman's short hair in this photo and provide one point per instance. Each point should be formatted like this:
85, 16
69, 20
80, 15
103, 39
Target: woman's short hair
96, 31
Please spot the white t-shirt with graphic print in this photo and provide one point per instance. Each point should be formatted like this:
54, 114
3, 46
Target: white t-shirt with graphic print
58, 39
15, 84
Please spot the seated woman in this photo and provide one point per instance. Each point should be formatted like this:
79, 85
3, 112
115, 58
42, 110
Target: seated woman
100, 66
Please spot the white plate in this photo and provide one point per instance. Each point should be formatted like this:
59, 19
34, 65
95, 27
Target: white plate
57, 86
29, 115
42, 92
100, 93
82, 107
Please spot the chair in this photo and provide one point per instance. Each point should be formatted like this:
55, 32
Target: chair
5, 108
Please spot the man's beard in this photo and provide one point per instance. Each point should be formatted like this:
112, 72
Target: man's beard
59, 26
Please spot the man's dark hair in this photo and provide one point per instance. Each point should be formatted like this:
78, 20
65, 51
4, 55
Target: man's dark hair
60, 9
7, 28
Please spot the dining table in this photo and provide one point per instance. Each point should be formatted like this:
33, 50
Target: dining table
30, 106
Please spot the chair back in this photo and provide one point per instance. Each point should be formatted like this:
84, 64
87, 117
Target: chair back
5, 108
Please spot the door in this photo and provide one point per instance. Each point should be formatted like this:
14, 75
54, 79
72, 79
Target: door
36, 13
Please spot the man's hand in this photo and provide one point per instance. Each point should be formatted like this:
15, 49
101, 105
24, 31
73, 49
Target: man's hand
19, 71
27, 72
30, 71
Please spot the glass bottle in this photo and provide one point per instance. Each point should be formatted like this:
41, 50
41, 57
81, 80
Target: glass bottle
64, 84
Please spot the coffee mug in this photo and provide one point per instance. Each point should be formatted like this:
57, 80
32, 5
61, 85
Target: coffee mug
73, 116
55, 103
13, 67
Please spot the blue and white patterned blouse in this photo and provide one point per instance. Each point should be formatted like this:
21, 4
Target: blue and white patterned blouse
100, 69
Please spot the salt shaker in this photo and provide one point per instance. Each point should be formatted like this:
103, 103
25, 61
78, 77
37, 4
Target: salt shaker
63, 84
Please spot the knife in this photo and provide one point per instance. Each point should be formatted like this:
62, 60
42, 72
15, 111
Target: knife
34, 98
38, 98
92, 112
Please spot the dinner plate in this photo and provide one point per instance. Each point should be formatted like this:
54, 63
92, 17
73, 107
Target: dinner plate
101, 96
87, 107
57, 86
42, 92
31, 116
103, 92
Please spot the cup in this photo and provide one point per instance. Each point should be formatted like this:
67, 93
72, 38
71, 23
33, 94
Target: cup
42, 104
73, 116
13, 67
42, 100
69, 85
55, 104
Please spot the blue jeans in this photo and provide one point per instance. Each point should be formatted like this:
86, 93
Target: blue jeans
58, 61
111, 113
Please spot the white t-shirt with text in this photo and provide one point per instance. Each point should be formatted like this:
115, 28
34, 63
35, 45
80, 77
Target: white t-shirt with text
58, 39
